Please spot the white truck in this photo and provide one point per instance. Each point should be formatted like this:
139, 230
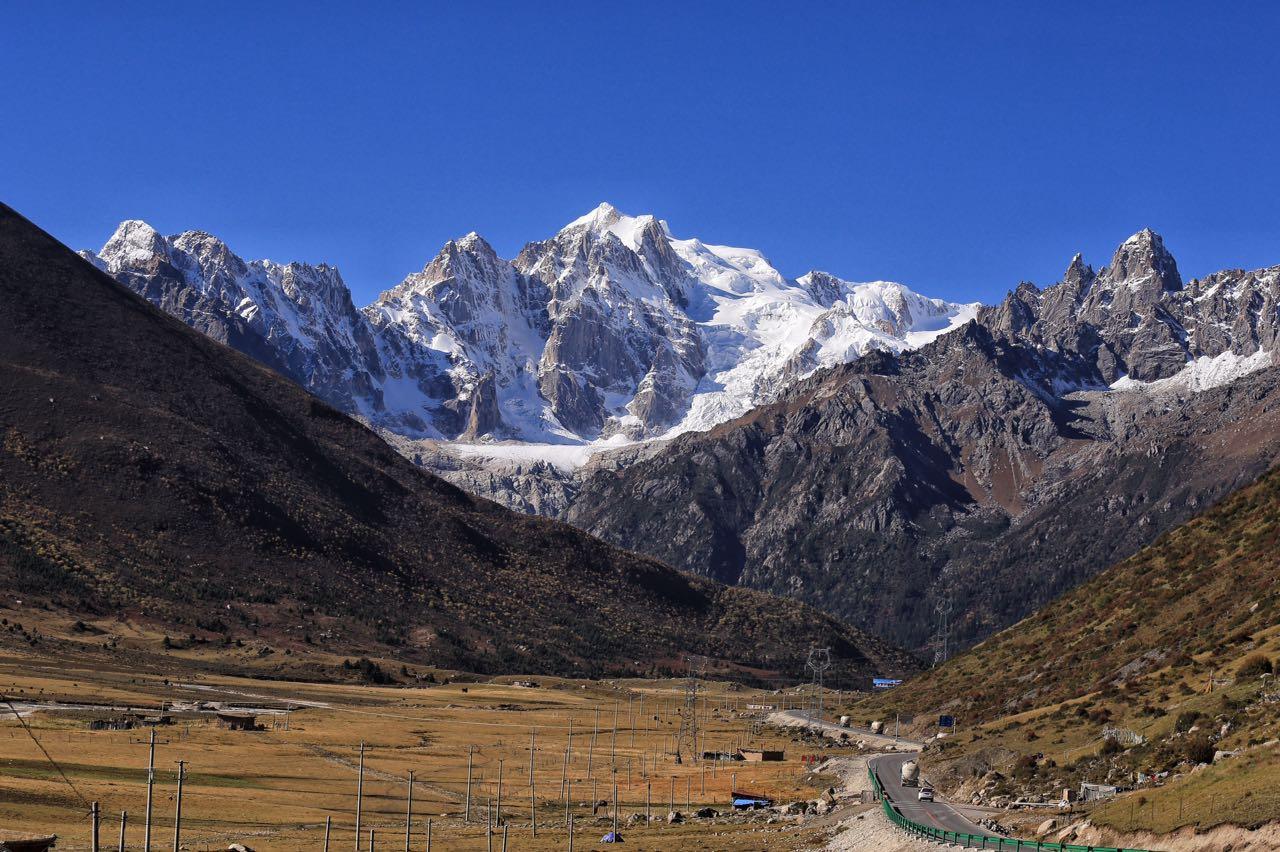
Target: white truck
844, 721
877, 726
910, 774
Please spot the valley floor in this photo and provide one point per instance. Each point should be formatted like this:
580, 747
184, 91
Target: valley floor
277, 787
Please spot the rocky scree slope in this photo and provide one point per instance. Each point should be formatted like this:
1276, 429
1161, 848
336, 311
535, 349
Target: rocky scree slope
150, 470
997, 467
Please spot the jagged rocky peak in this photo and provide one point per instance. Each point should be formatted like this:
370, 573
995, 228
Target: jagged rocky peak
467, 259
133, 242
209, 252
1079, 275
825, 288
1142, 263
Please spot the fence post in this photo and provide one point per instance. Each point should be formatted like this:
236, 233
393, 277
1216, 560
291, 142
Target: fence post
93, 822
124, 820
328, 826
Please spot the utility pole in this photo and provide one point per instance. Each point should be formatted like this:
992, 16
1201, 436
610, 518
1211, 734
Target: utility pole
177, 812
498, 814
151, 780
360, 801
408, 815
533, 797
466, 814
615, 811
591, 749
613, 744
564, 772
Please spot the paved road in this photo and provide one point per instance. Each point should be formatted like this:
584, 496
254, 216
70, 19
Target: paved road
889, 769
937, 814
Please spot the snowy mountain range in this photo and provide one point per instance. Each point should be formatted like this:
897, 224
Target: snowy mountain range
610, 332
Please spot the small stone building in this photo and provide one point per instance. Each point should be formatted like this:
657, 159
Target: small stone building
238, 721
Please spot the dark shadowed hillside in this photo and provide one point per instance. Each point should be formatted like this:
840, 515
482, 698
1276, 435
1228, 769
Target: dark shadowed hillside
146, 468
1163, 662
876, 489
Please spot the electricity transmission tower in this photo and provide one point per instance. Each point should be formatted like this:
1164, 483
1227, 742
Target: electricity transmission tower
819, 662
943, 637
689, 713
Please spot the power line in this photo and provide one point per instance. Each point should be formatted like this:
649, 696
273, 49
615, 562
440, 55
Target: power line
39, 745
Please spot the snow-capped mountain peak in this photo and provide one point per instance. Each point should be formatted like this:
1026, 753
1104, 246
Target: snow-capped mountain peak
134, 241
612, 329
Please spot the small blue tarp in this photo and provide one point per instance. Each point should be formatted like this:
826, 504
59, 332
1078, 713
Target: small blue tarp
752, 802
611, 837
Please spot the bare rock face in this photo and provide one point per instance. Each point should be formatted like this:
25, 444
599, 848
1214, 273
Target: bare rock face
485, 419
617, 325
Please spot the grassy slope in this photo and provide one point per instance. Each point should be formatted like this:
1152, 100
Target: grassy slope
147, 469
1134, 648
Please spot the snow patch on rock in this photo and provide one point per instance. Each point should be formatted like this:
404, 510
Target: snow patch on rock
1202, 374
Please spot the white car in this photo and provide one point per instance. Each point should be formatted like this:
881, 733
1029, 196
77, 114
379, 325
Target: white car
926, 794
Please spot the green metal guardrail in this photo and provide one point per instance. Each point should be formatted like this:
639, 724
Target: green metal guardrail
977, 841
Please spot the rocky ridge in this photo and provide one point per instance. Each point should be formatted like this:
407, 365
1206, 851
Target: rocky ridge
989, 471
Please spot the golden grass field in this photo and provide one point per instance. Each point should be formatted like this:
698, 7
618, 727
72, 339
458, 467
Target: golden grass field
274, 789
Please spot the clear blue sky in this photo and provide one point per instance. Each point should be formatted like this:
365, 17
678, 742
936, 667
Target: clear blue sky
957, 147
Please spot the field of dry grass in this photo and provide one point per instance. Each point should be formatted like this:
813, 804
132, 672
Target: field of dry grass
276, 788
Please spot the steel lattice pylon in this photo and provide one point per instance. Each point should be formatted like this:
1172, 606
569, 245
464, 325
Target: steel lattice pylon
697, 666
819, 661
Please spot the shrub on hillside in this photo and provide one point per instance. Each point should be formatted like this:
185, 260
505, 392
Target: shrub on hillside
1198, 749
1186, 721
1254, 665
